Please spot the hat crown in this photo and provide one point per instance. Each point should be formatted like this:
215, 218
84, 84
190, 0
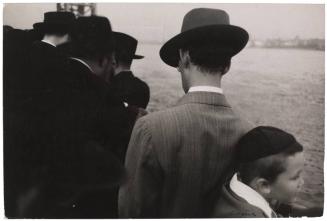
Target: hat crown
263, 141
201, 17
58, 17
92, 34
126, 43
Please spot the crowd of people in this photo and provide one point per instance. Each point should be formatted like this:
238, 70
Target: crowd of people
79, 143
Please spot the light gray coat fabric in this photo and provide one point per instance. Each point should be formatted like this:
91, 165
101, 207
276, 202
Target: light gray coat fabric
177, 158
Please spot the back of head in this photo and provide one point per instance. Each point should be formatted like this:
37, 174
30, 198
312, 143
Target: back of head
208, 37
125, 47
262, 153
92, 37
208, 57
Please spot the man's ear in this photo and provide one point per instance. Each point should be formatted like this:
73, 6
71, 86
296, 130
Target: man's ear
184, 59
184, 56
226, 69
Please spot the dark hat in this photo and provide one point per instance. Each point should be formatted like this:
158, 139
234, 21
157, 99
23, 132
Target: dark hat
207, 26
92, 34
126, 43
55, 21
264, 141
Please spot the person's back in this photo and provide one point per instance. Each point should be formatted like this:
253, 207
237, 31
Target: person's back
201, 130
172, 153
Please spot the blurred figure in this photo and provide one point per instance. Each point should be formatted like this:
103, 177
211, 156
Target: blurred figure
29, 67
92, 58
126, 86
172, 156
65, 141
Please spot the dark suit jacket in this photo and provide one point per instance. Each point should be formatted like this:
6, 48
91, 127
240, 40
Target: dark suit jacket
131, 89
27, 102
231, 205
177, 158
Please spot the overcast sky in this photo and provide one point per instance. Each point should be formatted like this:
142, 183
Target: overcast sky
160, 21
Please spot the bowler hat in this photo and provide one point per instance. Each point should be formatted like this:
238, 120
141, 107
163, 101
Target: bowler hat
264, 141
127, 44
207, 26
55, 21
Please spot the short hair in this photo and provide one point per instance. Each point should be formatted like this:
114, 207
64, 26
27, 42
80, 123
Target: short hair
208, 57
267, 167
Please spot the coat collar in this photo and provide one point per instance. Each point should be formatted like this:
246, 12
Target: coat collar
48, 42
250, 195
202, 97
82, 62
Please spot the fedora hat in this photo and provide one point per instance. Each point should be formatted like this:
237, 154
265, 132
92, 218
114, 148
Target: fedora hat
207, 26
92, 34
55, 21
126, 43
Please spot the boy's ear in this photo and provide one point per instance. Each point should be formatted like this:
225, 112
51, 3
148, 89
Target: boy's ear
262, 186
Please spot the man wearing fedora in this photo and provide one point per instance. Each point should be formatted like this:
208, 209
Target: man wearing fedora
91, 117
46, 64
178, 157
126, 86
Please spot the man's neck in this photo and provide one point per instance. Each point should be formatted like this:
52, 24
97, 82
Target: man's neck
120, 69
55, 40
198, 78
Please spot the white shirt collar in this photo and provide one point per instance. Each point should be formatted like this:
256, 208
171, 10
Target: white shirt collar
206, 89
250, 195
48, 42
83, 62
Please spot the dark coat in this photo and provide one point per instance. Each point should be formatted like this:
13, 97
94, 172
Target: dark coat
231, 205
63, 108
21, 116
131, 89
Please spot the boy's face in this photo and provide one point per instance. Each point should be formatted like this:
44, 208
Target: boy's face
288, 183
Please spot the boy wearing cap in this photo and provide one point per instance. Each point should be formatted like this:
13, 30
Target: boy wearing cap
270, 170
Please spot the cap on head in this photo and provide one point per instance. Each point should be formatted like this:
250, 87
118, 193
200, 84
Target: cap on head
205, 26
262, 142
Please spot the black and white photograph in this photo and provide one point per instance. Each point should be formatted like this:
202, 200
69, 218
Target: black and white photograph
122, 110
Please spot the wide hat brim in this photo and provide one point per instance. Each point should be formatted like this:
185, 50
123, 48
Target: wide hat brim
229, 38
43, 27
135, 56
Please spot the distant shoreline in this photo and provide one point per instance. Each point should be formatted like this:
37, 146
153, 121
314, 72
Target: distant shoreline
250, 46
